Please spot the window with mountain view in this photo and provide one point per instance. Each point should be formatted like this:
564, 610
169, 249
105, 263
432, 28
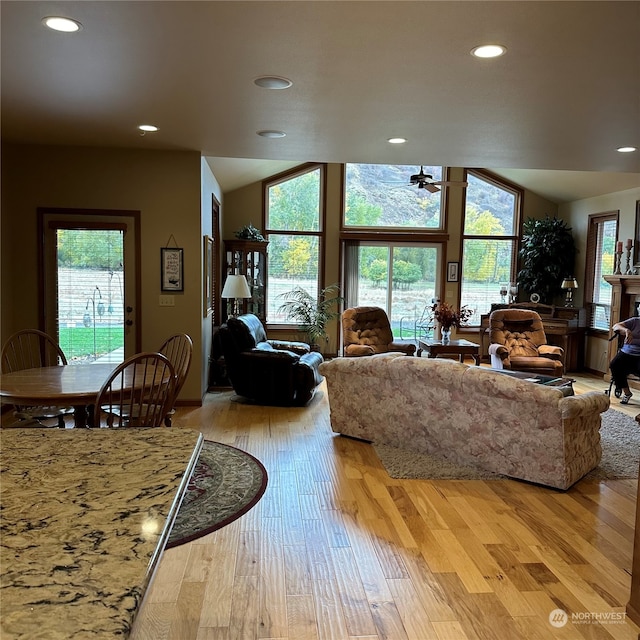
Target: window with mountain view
491, 221
396, 272
293, 227
381, 196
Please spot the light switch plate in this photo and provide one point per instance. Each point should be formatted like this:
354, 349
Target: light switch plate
166, 301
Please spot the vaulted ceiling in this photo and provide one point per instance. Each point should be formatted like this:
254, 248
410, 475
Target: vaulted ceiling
563, 98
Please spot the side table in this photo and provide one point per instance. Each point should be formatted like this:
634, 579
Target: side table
461, 348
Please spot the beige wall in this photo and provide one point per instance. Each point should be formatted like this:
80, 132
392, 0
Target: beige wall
168, 188
244, 206
576, 214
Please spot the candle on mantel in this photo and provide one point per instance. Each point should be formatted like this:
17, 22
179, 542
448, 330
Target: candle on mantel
629, 244
619, 246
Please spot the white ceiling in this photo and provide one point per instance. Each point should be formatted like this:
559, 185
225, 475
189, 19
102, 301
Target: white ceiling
563, 98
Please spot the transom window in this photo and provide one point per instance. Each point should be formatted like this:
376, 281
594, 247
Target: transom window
489, 243
294, 211
381, 196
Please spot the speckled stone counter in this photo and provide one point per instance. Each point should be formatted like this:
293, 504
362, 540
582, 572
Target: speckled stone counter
85, 517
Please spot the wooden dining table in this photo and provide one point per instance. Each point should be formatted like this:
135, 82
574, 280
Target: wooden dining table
75, 385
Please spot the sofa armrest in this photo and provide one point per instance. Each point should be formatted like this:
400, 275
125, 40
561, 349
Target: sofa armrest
551, 351
404, 347
358, 350
498, 350
267, 355
499, 356
584, 404
288, 345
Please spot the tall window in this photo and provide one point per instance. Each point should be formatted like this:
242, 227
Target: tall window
382, 196
294, 207
491, 220
395, 261
601, 241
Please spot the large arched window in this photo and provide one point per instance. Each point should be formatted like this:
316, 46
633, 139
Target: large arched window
294, 215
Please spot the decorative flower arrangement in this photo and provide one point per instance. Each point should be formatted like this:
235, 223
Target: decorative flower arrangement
448, 317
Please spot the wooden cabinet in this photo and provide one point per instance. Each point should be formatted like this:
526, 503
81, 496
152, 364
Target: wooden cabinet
248, 258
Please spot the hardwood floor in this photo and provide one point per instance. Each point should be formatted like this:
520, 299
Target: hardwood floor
338, 550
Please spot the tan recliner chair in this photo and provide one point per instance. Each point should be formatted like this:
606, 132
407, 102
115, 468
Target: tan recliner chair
518, 342
366, 331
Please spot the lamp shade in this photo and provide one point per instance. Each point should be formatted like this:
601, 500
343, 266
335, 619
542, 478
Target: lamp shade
236, 287
569, 283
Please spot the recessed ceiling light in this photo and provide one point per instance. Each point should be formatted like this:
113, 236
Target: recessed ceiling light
488, 51
273, 82
396, 140
147, 128
627, 149
271, 133
58, 23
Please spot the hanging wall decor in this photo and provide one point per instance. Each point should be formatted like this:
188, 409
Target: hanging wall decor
171, 269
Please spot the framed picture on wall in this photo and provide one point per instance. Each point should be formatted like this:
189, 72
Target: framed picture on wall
171, 269
452, 272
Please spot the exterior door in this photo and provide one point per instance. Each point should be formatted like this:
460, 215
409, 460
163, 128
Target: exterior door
90, 282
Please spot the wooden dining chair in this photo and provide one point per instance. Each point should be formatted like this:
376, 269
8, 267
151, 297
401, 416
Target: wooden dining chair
179, 349
138, 393
32, 349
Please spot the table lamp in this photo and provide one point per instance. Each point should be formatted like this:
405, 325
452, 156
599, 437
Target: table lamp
569, 284
236, 288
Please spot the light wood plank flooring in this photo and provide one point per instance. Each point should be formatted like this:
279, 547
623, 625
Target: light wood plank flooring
338, 550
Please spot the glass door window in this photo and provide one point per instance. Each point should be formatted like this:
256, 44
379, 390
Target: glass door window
401, 279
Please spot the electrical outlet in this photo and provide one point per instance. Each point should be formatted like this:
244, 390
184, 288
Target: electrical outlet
166, 301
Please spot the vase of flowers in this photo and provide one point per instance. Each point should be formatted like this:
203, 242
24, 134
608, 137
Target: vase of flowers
448, 318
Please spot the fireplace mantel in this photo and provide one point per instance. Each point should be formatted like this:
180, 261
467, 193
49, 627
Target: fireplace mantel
625, 302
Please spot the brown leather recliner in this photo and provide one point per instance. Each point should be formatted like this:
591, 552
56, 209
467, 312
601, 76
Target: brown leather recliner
518, 342
272, 372
366, 331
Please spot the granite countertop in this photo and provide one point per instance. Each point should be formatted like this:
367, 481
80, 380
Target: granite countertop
85, 517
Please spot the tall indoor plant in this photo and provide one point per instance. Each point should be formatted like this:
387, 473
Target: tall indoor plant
312, 314
547, 255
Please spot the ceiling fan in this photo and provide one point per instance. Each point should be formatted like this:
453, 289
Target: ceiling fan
423, 180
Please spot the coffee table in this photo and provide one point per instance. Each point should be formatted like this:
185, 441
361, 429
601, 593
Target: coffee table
564, 384
461, 348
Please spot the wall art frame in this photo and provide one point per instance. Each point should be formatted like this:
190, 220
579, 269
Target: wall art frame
452, 271
171, 269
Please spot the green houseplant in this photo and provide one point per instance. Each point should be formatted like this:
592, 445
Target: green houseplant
311, 314
547, 255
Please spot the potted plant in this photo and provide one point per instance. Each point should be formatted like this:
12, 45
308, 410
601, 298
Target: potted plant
312, 314
547, 255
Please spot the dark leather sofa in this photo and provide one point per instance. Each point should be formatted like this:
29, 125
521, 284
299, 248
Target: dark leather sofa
272, 372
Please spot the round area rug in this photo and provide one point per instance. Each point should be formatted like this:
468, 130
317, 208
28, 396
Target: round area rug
225, 484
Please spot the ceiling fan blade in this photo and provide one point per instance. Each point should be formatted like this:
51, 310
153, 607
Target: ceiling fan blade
430, 187
453, 183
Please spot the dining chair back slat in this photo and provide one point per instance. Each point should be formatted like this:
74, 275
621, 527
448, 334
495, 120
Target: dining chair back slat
30, 349
138, 393
33, 349
179, 350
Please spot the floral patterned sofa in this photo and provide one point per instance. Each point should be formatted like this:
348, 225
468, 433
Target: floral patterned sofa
470, 415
